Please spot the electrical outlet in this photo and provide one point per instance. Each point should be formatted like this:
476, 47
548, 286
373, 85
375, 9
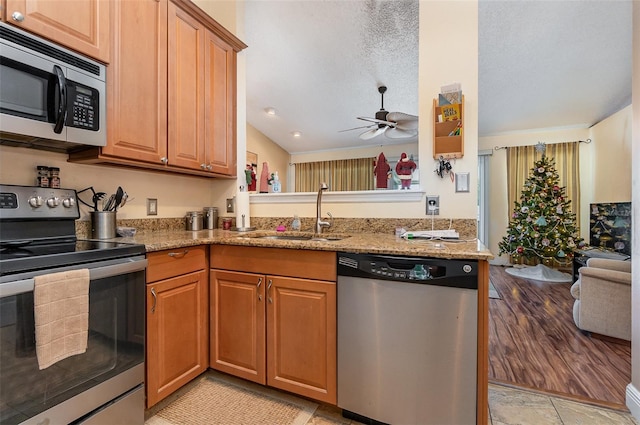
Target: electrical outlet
433, 205
230, 205
152, 206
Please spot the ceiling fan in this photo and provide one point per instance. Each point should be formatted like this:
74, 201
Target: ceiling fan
394, 125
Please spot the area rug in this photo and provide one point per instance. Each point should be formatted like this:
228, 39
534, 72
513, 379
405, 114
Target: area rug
216, 401
541, 273
492, 291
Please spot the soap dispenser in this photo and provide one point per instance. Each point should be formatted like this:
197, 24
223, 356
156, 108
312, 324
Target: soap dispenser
295, 225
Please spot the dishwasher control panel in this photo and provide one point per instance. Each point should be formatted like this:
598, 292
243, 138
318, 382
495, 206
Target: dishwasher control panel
436, 271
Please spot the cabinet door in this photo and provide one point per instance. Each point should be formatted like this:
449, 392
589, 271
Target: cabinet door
220, 106
177, 333
301, 337
186, 90
237, 315
137, 81
80, 25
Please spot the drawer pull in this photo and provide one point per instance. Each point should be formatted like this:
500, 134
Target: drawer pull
178, 254
269, 291
155, 300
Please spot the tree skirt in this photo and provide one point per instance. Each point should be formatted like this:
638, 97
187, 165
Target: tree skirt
540, 272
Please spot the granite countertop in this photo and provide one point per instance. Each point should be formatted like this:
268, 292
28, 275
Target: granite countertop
371, 243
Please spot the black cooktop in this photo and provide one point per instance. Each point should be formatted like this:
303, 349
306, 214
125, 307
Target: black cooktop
31, 257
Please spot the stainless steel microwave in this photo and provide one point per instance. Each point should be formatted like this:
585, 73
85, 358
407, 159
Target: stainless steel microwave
50, 97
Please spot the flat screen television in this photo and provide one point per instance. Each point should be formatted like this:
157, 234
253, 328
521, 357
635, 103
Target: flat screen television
610, 226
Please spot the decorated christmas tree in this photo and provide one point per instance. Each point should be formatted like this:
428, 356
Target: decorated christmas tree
542, 227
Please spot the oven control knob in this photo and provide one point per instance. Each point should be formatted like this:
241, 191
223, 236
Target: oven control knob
68, 202
53, 202
36, 201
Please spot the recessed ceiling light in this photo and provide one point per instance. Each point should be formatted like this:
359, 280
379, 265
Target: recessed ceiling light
296, 134
270, 110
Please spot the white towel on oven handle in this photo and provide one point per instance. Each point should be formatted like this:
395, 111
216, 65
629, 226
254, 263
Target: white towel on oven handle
61, 314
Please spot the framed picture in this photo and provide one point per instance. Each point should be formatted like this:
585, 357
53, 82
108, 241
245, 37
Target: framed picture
252, 158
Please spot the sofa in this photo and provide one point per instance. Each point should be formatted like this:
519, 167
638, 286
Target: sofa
603, 298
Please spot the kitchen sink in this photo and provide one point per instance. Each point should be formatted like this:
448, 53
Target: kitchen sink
301, 238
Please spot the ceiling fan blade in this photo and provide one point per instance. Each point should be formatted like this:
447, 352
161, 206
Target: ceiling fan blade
356, 128
401, 116
389, 123
397, 133
370, 134
407, 125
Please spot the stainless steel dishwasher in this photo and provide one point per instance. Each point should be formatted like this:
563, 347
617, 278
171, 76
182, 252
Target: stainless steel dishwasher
407, 339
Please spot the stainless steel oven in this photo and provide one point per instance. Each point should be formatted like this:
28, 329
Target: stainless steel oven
105, 384
50, 97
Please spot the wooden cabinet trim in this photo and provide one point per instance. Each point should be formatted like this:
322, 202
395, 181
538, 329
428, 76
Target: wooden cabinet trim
305, 264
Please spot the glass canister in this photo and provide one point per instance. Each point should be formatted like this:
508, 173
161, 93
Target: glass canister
210, 217
42, 179
194, 220
54, 177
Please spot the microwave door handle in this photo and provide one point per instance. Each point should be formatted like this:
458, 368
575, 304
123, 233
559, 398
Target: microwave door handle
62, 107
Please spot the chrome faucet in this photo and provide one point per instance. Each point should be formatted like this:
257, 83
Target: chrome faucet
319, 223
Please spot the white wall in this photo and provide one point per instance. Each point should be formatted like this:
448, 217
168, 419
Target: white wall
633, 390
268, 151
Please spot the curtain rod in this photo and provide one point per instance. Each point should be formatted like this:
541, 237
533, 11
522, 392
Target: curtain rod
497, 148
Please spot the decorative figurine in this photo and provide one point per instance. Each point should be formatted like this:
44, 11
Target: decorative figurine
276, 186
250, 174
404, 170
382, 171
264, 178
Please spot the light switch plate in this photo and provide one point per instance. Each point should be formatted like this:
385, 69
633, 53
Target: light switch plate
230, 205
462, 182
152, 206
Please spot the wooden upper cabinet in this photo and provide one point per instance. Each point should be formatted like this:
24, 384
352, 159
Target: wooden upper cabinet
136, 78
186, 90
220, 106
80, 25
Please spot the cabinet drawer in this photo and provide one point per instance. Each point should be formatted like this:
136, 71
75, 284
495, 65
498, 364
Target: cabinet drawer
174, 262
307, 264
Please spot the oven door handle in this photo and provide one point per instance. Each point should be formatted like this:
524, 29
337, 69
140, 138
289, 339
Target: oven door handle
22, 286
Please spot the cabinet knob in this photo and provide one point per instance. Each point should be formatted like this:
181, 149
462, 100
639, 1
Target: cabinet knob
209, 167
164, 160
203, 166
17, 16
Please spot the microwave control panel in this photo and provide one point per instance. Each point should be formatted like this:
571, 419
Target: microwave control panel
82, 106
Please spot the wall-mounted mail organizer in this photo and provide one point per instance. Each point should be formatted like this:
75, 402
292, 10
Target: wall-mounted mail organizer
448, 129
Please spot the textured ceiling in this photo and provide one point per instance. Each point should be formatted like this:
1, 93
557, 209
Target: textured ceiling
542, 65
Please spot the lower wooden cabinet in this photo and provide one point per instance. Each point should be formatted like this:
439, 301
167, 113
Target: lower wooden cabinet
177, 320
274, 330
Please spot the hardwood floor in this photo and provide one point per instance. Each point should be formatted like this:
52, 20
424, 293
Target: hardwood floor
534, 343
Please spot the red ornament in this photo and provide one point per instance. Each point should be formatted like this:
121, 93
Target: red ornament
520, 250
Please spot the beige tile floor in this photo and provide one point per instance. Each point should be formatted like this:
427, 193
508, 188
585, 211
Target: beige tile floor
509, 406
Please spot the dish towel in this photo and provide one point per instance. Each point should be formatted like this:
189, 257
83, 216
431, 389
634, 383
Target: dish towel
61, 314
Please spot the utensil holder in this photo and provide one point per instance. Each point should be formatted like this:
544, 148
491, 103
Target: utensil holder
103, 224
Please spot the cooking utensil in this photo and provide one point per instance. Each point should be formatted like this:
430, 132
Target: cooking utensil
109, 204
124, 199
96, 197
118, 199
